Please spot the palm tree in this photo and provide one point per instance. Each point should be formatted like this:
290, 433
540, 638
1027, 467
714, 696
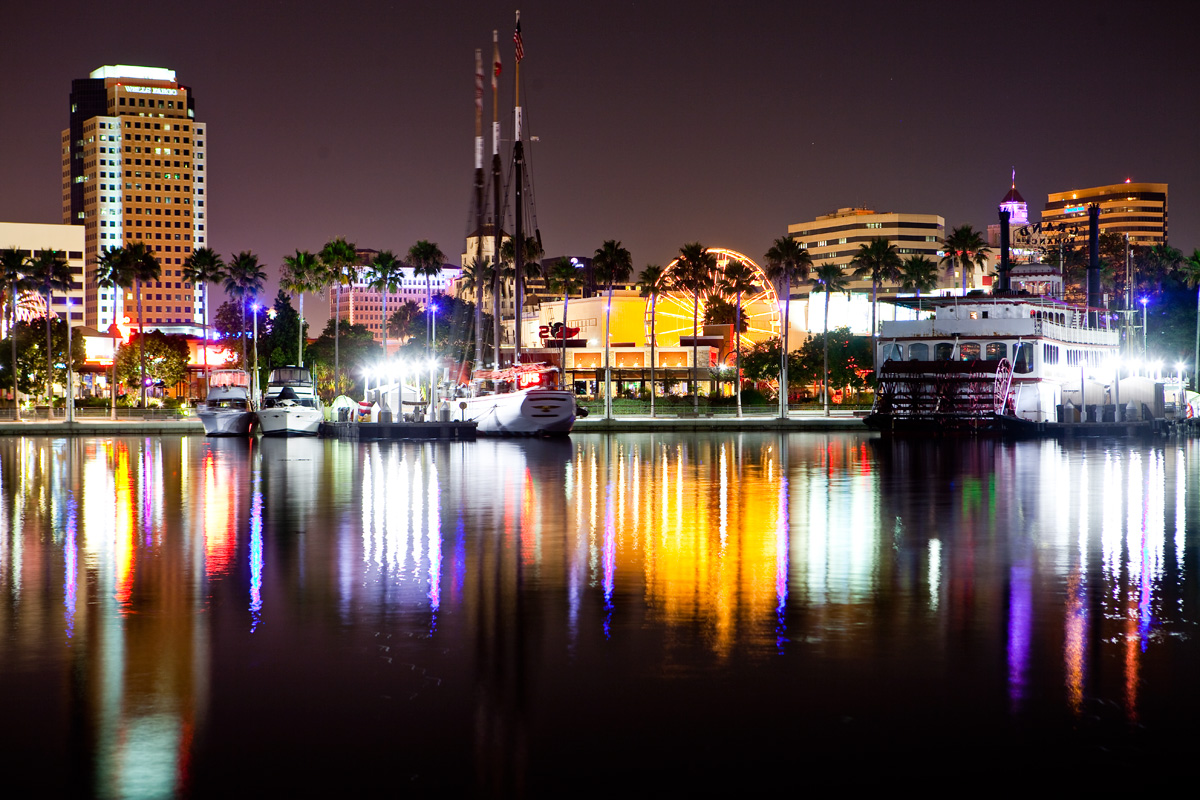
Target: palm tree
12, 274
651, 283
204, 266
964, 248
564, 277
880, 260
611, 264
693, 273
402, 319
738, 279
112, 273
302, 273
531, 256
244, 278
140, 265
475, 275
1160, 261
49, 272
829, 278
385, 276
426, 261
787, 260
1191, 267
918, 274
337, 260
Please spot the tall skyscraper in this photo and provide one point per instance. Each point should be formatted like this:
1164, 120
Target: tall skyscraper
133, 170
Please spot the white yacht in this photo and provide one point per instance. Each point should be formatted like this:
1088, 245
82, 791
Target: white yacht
290, 405
518, 401
226, 411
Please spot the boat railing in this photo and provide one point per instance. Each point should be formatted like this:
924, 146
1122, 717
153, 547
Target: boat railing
1067, 333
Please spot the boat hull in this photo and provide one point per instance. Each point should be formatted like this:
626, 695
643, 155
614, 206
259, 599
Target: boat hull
532, 412
293, 421
226, 422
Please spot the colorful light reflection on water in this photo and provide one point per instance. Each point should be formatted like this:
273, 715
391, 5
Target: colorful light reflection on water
170, 602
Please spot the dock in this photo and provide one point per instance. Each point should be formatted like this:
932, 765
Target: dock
386, 431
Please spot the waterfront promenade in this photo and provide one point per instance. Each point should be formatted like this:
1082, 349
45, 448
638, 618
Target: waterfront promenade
796, 421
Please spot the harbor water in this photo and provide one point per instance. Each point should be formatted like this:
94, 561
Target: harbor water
182, 616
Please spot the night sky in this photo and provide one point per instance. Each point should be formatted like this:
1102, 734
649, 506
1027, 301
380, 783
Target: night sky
658, 123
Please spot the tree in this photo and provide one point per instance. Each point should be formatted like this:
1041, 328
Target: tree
475, 275
426, 261
965, 248
829, 278
50, 273
1191, 272
918, 274
203, 267
302, 273
403, 320
693, 274
230, 324
31, 368
283, 328
787, 260
610, 264
356, 340
651, 283
880, 260
1158, 263
139, 263
12, 275
337, 259
164, 359
564, 277
244, 278
385, 276
847, 357
738, 280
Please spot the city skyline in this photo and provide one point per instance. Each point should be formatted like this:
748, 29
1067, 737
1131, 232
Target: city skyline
684, 121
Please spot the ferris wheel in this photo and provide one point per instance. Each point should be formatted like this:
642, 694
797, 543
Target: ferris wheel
673, 315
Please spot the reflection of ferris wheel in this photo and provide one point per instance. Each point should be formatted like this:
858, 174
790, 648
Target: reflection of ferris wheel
760, 306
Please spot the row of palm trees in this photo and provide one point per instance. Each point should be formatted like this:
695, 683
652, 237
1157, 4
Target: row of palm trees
44, 271
337, 265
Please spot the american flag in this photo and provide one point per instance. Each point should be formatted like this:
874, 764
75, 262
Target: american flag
517, 41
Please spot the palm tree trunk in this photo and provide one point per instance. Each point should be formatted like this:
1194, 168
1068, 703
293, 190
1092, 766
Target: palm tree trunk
737, 344
385, 352
695, 384
874, 324
300, 343
1195, 360
337, 324
783, 357
207, 376
653, 309
142, 339
49, 360
12, 337
607, 369
825, 374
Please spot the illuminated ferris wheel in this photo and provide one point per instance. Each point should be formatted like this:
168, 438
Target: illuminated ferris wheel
760, 306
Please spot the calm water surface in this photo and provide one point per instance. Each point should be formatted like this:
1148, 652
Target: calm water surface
183, 616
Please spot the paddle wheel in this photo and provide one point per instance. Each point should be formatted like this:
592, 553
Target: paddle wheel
943, 396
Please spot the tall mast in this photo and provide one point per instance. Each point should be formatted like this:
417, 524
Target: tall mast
518, 179
477, 267
496, 210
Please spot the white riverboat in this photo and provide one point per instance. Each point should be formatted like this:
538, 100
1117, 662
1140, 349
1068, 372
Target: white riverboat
290, 405
227, 410
518, 401
979, 360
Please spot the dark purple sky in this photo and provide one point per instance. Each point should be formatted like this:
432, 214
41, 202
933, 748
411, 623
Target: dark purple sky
659, 123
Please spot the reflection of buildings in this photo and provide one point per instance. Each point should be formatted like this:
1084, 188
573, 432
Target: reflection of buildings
1136, 209
133, 170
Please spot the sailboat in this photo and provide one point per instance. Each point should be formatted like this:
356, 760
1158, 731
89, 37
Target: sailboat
523, 399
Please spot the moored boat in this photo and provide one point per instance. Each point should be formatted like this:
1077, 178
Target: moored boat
519, 401
290, 405
227, 410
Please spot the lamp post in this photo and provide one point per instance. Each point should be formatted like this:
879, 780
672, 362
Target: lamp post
1145, 353
70, 404
433, 360
254, 384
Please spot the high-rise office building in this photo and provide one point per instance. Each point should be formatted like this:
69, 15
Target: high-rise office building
133, 166
835, 238
1136, 209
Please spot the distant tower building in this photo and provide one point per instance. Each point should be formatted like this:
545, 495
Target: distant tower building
1136, 209
133, 170
1014, 204
1023, 236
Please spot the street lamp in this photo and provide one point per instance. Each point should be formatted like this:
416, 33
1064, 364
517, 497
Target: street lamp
1144, 342
70, 404
255, 383
433, 361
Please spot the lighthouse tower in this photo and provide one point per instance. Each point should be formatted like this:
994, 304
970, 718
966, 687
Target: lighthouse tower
1015, 205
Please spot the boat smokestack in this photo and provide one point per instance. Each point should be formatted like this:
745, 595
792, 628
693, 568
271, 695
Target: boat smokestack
1005, 281
1094, 298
